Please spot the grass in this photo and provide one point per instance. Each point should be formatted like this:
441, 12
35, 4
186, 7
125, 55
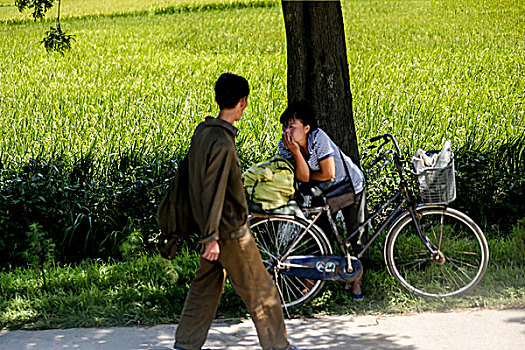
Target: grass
134, 84
433, 71
80, 8
148, 290
141, 82
142, 291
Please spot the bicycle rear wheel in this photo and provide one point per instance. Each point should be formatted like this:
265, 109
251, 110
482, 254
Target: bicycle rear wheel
274, 237
463, 253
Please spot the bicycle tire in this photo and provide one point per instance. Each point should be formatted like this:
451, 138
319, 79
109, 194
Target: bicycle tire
463, 257
274, 236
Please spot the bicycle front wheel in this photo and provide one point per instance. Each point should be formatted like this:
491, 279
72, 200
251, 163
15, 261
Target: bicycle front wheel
462, 258
275, 237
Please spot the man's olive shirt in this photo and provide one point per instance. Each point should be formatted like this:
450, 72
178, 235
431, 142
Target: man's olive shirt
215, 186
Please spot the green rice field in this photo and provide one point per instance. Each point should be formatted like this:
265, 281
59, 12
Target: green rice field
139, 77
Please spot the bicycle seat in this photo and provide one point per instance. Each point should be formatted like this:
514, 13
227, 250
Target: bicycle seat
315, 188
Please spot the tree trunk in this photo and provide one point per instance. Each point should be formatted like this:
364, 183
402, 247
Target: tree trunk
318, 67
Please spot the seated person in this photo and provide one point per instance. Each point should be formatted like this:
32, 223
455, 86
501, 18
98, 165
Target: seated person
316, 159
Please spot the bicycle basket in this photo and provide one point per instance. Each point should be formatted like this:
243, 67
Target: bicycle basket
437, 185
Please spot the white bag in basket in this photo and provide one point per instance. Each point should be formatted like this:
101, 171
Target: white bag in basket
435, 175
422, 161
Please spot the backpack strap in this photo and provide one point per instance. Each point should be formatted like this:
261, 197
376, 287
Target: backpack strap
346, 170
250, 199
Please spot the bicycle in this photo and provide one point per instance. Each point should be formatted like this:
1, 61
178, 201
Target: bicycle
431, 249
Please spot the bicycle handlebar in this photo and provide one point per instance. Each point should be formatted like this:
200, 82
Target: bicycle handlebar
383, 156
377, 138
387, 138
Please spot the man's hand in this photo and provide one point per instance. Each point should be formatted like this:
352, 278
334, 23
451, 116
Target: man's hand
211, 251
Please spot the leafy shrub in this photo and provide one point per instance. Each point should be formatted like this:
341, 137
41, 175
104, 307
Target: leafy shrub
490, 183
114, 215
83, 216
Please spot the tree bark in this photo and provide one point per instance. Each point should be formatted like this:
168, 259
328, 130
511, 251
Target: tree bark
318, 67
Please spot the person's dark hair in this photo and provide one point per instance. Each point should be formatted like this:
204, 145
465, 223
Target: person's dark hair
300, 110
230, 89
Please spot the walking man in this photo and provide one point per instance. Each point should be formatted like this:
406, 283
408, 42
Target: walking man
221, 212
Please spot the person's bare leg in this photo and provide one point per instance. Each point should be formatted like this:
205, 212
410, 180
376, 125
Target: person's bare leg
308, 285
356, 286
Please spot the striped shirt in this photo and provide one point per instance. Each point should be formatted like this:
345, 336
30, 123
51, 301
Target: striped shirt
321, 147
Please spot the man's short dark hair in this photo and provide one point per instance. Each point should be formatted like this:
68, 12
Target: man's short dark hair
230, 89
300, 110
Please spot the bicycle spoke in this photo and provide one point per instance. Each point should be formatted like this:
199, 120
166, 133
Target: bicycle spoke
263, 235
280, 239
291, 285
285, 287
262, 239
266, 262
413, 262
265, 250
452, 274
443, 277
460, 262
279, 290
461, 270
274, 238
294, 281
462, 252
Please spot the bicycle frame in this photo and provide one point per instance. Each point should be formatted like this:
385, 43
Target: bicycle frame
345, 243
408, 199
